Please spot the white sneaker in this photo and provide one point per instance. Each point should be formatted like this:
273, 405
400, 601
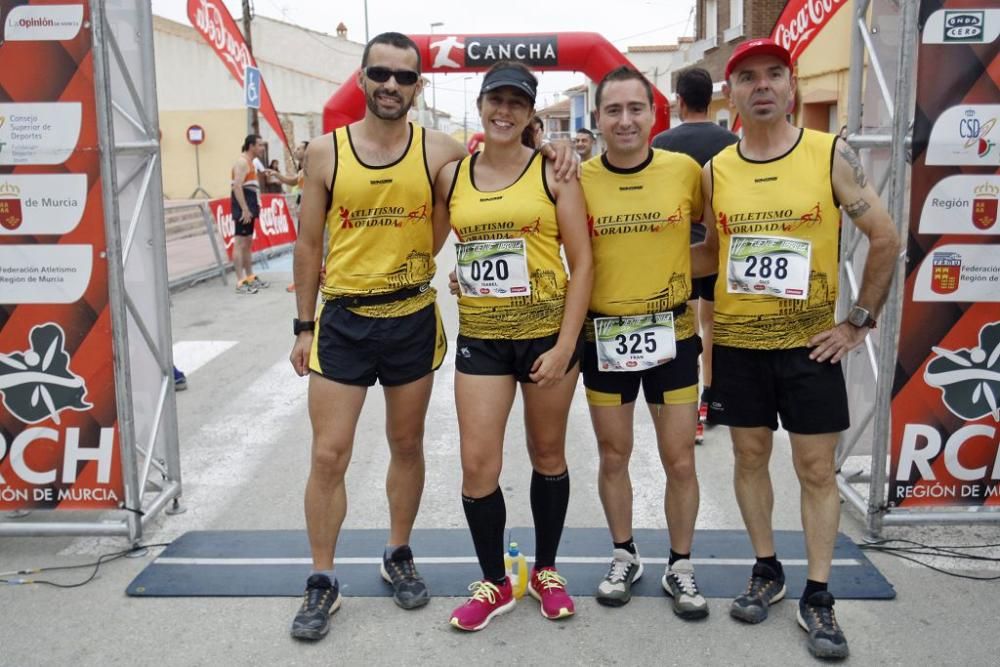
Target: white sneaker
616, 588
678, 582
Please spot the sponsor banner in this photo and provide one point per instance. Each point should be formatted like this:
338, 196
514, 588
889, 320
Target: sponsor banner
959, 205
475, 51
43, 23
272, 229
959, 272
41, 204
801, 21
966, 134
215, 24
35, 274
962, 26
59, 445
38, 133
946, 390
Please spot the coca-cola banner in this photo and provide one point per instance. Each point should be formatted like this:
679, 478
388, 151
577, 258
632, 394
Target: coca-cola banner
214, 23
801, 21
946, 393
274, 227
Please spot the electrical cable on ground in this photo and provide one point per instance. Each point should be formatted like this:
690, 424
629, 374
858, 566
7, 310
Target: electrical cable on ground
106, 558
912, 548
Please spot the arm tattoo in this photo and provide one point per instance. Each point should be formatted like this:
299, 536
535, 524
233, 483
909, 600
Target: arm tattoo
857, 209
305, 165
855, 162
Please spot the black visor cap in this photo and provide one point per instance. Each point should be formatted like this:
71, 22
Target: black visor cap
513, 77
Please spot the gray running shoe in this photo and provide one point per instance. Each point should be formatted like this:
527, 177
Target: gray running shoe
257, 283
616, 588
320, 601
826, 639
678, 582
765, 588
408, 588
246, 288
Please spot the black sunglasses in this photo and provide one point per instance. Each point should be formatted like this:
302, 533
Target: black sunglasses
404, 77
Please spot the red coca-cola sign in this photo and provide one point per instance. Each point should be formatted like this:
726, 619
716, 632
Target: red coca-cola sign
801, 21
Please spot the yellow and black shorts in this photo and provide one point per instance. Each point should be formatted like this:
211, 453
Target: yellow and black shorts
358, 350
672, 383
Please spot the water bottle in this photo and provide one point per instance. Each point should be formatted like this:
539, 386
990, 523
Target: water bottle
517, 570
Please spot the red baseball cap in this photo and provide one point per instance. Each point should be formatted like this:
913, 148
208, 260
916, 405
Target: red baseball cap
758, 47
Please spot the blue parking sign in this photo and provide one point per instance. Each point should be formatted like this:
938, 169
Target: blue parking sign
251, 87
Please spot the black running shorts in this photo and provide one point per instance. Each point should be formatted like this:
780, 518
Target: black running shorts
672, 383
358, 350
752, 388
483, 356
253, 203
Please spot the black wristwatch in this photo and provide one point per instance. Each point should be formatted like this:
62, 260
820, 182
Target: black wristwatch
298, 326
860, 316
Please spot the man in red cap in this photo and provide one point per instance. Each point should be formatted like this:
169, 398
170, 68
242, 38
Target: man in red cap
776, 199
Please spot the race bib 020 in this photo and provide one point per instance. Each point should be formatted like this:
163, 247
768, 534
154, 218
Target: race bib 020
634, 343
493, 268
769, 265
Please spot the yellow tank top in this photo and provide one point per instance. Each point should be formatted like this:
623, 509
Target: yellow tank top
640, 231
790, 197
379, 226
524, 209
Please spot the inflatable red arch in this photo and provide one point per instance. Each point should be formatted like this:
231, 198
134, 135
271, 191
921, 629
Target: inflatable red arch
585, 52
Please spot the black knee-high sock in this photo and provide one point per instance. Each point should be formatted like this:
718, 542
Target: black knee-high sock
487, 517
549, 500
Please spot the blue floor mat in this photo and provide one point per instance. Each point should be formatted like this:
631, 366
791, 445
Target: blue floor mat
275, 563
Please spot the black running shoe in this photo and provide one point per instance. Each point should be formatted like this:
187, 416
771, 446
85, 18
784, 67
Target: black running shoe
765, 588
408, 588
826, 639
320, 601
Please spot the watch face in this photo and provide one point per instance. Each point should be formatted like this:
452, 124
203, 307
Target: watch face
858, 316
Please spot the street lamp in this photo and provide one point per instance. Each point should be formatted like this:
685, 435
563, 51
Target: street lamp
434, 115
465, 110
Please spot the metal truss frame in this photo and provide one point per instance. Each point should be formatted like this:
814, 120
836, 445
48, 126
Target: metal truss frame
893, 187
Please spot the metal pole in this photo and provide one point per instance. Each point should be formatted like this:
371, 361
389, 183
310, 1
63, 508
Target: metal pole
116, 274
434, 104
253, 123
892, 313
366, 22
855, 88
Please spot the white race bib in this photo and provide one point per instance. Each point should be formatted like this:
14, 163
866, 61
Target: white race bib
634, 343
769, 265
493, 268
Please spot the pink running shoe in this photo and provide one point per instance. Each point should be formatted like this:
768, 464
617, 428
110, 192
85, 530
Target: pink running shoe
549, 589
488, 600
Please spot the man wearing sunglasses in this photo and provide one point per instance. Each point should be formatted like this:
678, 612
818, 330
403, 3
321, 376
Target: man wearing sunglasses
369, 185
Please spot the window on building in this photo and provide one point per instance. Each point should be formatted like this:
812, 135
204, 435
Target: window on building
711, 19
722, 118
735, 29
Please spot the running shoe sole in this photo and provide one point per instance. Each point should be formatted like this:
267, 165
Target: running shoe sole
743, 613
496, 612
823, 648
686, 614
609, 601
313, 635
563, 611
417, 603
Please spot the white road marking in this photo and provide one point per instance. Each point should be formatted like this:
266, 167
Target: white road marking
471, 560
190, 355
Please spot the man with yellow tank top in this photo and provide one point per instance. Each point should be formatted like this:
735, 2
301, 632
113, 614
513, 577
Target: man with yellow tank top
640, 204
776, 199
369, 186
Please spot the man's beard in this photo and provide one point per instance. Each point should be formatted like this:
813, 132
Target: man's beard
404, 107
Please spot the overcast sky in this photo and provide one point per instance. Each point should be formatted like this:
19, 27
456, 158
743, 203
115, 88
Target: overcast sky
624, 23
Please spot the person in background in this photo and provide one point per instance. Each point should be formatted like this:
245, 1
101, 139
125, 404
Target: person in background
701, 139
584, 144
